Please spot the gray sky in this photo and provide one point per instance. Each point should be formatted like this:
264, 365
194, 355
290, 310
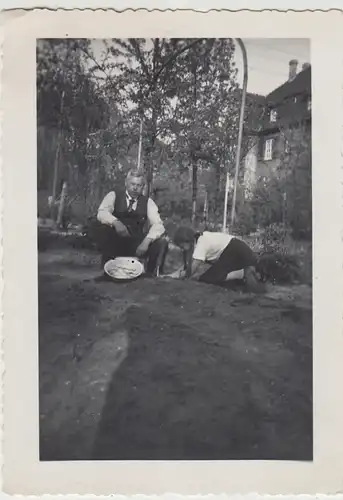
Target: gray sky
268, 61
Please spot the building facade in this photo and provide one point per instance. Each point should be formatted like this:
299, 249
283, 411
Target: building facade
286, 121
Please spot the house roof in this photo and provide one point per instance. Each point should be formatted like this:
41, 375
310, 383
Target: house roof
301, 84
250, 96
259, 99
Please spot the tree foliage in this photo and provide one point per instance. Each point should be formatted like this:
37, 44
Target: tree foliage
93, 97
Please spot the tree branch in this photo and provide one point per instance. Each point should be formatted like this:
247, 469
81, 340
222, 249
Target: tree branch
140, 57
85, 51
174, 56
155, 56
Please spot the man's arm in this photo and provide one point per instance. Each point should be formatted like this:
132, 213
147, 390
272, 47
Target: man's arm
155, 231
106, 208
156, 225
105, 215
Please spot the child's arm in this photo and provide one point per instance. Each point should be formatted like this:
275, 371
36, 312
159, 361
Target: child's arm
180, 273
197, 268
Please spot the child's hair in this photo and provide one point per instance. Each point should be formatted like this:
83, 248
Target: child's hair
184, 234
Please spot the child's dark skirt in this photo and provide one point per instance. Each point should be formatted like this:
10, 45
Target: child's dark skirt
236, 256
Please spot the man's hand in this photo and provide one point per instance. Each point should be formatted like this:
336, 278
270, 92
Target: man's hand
142, 248
179, 274
121, 229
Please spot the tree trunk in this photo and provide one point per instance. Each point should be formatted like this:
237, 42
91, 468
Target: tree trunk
149, 169
194, 161
57, 153
56, 166
153, 135
205, 216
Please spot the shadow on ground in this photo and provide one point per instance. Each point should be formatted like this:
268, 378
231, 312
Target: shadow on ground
163, 370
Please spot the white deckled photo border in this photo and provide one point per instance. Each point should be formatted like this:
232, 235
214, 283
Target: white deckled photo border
23, 473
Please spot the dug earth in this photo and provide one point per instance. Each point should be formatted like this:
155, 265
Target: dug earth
162, 369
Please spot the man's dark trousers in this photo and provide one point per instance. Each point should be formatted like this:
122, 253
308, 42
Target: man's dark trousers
112, 245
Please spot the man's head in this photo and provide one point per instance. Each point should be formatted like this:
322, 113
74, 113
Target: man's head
135, 182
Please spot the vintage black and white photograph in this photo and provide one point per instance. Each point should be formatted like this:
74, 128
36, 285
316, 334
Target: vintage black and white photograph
174, 211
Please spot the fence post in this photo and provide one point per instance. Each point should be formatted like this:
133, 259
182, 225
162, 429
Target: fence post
62, 203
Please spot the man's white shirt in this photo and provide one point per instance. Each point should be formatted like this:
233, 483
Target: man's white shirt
105, 215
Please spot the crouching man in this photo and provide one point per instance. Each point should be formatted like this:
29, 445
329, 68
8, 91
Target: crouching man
130, 225
214, 258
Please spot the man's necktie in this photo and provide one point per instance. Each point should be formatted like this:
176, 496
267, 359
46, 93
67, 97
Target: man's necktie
131, 202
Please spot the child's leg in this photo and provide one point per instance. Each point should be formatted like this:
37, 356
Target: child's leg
236, 257
156, 256
235, 275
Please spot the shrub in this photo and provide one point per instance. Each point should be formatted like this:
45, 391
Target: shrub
245, 221
275, 238
278, 267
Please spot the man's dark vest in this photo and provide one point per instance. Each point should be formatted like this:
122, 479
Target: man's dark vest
134, 220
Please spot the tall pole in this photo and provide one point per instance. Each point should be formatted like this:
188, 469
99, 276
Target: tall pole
227, 182
240, 130
140, 145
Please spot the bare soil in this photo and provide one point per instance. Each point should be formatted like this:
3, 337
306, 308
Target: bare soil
160, 369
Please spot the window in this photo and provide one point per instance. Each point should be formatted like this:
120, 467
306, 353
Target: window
268, 149
309, 104
273, 115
